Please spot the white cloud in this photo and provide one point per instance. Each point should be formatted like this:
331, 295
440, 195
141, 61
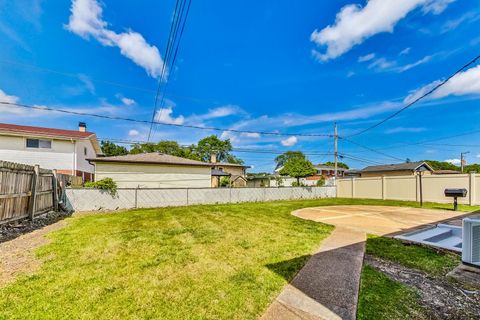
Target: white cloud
381, 64
453, 161
133, 133
128, 101
366, 57
290, 141
468, 17
436, 6
404, 129
251, 135
165, 115
405, 51
354, 23
87, 82
478, 155
86, 21
464, 83
414, 64
6, 98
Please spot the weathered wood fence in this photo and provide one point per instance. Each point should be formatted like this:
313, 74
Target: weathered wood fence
28, 191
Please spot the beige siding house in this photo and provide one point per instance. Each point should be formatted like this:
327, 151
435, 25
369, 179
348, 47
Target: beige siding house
236, 172
153, 170
399, 169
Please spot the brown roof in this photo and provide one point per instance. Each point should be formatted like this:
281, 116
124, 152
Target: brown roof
397, 167
51, 132
152, 158
446, 172
226, 164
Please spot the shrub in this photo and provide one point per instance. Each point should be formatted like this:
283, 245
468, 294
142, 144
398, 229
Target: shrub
321, 181
225, 182
104, 184
298, 184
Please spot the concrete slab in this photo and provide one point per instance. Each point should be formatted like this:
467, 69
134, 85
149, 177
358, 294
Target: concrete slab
327, 286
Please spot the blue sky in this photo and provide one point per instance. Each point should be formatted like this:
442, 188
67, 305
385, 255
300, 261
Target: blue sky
252, 65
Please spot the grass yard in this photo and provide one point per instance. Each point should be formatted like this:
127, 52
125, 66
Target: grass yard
216, 262
383, 298
198, 262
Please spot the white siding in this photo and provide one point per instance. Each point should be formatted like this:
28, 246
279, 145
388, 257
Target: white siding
60, 156
154, 175
82, 163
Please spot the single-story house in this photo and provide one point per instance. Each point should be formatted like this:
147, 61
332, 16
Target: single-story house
237, 172
153, 170
399, 169
64, 150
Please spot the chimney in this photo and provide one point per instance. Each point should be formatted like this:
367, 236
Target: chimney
213, 158
82, 127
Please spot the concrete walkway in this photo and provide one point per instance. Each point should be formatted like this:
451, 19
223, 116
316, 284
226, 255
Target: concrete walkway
327, 286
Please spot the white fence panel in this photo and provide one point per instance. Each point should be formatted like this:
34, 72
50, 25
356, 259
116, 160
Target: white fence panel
93, 200
151, 198
248, 195
209, 196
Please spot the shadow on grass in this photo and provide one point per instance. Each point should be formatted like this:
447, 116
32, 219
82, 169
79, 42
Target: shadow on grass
289, 268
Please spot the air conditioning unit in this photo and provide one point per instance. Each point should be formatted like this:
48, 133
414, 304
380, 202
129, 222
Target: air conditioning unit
471, 241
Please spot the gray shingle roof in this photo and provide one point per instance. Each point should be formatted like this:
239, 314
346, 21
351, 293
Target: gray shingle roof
397, 167
152, 158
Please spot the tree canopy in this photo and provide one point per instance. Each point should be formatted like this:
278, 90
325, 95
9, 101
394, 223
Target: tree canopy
110, 149
201, 151
284, 157
339, 164
442, 165
298, 168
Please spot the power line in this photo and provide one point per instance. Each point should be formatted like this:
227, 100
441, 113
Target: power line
435, 88
42, 108
179, 20
372, 150
367, 161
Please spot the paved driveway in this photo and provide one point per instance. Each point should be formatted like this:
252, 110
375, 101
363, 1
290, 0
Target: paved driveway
379, 220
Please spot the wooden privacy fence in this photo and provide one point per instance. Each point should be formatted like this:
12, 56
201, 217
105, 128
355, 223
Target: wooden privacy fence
27, 191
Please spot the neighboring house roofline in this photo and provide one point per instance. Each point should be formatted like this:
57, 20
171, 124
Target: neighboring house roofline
412, 166
226, 164
152, 158
53, 133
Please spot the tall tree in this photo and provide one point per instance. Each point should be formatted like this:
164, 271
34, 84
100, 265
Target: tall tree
213, 145
442, 165
339, 164
167, 147
298, 168
284, 157
110, 149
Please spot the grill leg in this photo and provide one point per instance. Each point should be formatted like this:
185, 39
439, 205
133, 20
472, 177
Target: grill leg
455, 204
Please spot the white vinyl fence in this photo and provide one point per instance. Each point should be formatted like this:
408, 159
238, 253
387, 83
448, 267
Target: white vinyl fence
93, 200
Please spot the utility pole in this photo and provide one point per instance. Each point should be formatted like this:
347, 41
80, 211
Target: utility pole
462, 159
335, 153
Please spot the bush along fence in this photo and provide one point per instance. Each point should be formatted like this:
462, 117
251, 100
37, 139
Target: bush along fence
28, 191
94, 199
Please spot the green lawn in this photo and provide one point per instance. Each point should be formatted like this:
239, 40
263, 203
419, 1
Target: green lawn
383, 298
198, 262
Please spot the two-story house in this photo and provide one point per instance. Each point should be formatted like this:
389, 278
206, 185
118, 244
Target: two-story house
66, 151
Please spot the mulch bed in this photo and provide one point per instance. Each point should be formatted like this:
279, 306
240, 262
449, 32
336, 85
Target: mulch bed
443, 298
15, 229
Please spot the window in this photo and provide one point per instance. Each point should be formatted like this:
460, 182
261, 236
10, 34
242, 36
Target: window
38, 143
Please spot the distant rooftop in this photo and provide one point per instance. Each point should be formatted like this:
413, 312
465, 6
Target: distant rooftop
397, 167
152, 158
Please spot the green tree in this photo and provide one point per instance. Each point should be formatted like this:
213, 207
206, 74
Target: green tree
284, 157
321, 181
167, 147
442, 165
110, 149
222, 148
339, 164
298, 168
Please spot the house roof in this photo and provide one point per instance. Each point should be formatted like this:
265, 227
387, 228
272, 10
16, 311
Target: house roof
152, 158
226, 164
41, 131
397, 167
220, 173
323, 167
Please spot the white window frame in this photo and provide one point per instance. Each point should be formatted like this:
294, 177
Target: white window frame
39, 147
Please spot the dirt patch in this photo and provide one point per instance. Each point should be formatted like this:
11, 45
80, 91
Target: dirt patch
17, 255
443, 298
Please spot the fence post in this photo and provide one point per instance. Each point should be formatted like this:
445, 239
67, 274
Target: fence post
471, 188
136, 198
33, 196
187, 196
353, 187
55, 189
417, 193
384, 188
